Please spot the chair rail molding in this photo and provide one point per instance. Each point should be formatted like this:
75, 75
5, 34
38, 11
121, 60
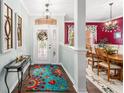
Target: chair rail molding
80, 51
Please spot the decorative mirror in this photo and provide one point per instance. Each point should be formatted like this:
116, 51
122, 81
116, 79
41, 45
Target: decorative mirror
117, 35
6, 28
19, 31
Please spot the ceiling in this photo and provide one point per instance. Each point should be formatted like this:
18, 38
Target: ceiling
96, 10
99, 10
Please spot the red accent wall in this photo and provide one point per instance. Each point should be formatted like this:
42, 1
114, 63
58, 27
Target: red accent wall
109, 35
100, 33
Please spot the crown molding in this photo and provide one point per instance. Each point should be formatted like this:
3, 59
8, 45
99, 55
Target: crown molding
105, 20
95, 21
114, 18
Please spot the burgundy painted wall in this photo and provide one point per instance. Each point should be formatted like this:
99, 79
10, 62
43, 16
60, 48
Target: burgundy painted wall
100, 33
109, 35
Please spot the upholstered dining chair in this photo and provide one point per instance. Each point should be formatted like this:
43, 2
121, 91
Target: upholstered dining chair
106, 63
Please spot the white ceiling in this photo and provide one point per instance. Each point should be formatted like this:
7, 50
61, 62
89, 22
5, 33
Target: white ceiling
96, 10
99, 10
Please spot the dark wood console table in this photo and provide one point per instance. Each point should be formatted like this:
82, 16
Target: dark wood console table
15, 66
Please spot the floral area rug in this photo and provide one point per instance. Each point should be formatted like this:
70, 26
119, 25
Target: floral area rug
46, 78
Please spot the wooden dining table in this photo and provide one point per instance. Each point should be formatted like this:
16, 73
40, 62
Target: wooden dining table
117, 59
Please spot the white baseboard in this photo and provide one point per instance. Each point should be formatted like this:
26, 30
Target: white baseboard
68, 73
80, 91
83, 91
70, 77
72, 80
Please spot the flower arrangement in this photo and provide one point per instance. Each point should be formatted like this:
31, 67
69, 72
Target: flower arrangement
103, 42
111, 50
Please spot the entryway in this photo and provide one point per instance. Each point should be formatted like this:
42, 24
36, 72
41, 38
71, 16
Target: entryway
45, 44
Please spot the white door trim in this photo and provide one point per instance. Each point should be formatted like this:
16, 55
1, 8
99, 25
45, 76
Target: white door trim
43, 27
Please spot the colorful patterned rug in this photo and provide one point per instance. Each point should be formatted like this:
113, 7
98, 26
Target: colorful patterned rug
47, 78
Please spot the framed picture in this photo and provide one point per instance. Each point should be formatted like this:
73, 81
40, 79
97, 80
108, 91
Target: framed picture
93, 32
6, 33
117, 35
69, 33
18, 29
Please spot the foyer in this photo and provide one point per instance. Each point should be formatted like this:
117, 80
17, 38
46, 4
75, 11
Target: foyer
45, 46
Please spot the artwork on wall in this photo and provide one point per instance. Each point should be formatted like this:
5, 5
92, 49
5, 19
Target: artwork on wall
69, 33
93, 30
6, 28
117, 35
18, 39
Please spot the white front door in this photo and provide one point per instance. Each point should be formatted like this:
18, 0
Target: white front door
45, 44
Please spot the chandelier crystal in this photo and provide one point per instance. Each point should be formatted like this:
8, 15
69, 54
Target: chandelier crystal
111, 25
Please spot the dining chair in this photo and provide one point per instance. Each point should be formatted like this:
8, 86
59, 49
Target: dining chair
105, 63
88, 47
92, 59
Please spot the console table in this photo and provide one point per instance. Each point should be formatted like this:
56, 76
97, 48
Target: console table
15, 66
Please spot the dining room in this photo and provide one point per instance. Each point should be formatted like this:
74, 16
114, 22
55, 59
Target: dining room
104, 46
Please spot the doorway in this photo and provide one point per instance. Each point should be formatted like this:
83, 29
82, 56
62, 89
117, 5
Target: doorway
45, 44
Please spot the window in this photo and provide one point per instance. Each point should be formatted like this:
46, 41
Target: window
42, 44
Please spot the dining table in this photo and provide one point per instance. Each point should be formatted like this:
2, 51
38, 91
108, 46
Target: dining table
118, 58
114, 58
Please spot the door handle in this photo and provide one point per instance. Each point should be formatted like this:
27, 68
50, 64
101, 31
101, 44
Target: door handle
49, 47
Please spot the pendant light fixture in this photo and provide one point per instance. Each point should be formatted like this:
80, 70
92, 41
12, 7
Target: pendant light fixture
111, 25
47, 12
46, 18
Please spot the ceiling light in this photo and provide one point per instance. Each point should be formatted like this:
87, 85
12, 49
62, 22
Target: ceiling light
110, 25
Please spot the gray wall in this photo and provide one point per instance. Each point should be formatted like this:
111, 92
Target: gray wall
7, 57
66, 57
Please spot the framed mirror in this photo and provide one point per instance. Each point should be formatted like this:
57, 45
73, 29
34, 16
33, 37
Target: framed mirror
117, 35
18, 29
6, 27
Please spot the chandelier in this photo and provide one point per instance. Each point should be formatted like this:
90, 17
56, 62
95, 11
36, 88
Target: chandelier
111, 25
47, 12
46, 18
